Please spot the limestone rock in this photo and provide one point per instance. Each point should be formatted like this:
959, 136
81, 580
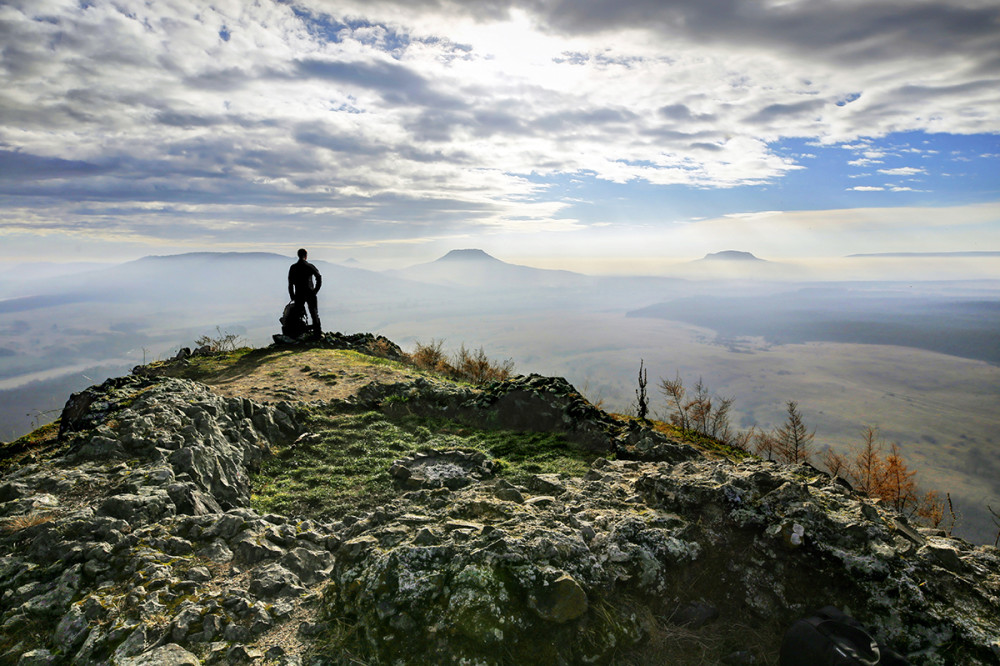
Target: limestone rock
559, 601
170, 654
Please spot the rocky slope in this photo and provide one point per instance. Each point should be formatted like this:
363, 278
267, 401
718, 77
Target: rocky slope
134, 536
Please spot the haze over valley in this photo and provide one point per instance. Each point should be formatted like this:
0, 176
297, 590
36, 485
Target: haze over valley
918, 359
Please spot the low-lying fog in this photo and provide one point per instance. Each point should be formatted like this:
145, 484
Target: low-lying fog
907, 343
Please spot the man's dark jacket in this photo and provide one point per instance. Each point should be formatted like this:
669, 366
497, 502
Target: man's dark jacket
300, 280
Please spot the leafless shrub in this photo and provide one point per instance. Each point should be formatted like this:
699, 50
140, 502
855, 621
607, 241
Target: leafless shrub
477, 368
474, 367
701, 413
381, 347
764, 444
430, 356
673, 391
224, 341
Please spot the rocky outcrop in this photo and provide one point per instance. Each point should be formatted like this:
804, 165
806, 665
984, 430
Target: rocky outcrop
137, 545
470, 574
530, 403
113, 547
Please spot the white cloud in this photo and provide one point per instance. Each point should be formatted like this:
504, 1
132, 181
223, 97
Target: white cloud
831, 233
903, 171
866, 188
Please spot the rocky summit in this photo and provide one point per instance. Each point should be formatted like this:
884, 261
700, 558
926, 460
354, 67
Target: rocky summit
328, 503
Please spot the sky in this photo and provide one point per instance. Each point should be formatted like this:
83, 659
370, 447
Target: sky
571, 133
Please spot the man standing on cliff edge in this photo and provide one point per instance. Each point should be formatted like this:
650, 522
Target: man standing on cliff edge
303, 290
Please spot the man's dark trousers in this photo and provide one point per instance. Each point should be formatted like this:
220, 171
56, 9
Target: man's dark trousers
309, 300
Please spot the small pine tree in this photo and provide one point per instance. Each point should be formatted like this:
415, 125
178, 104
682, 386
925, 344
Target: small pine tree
868, 469
898, 489
793, 438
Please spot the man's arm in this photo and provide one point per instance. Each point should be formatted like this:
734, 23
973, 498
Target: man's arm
291, 290
319, 279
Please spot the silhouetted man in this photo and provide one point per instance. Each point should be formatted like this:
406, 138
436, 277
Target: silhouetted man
302, 288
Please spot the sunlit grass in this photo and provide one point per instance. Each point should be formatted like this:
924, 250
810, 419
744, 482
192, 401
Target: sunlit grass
346, 471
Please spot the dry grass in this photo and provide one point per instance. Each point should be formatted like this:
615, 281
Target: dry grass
24, 521
381, 347
467, 365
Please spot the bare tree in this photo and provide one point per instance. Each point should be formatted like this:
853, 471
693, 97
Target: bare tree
718, 422
835, 463
743, 439
868, 469
642, 399
765, 444
701, 413
674, 392
699, 408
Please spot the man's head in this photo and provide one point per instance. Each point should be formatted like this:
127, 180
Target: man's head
302, 253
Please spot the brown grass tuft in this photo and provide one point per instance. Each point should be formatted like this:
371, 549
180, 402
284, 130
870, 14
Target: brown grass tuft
24, 521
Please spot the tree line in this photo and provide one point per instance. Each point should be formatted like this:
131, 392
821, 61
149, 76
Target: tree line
869, 467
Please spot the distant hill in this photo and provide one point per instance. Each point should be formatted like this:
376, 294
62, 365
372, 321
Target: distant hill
730, 255
468, 255
475, 268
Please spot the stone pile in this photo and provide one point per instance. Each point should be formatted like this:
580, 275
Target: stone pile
365, 343
529, 403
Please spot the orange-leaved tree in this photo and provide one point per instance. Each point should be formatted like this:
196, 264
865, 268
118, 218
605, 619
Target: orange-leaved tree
887, 478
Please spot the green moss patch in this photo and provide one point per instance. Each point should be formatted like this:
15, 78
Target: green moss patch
345, 470
42, 443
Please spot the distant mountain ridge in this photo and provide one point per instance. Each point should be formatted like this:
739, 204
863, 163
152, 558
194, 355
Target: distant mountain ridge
920, 255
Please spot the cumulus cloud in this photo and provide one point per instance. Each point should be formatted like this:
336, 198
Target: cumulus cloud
382, 119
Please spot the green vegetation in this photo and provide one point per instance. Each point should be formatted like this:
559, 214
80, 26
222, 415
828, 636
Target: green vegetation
40, 443
346, 469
